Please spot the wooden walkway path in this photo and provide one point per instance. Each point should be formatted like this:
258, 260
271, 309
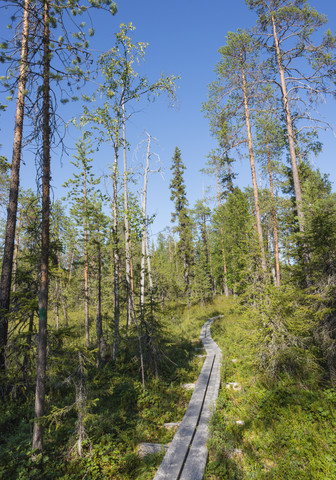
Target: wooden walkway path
187, 454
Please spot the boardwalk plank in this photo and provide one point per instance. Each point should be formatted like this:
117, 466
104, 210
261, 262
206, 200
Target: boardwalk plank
187, 455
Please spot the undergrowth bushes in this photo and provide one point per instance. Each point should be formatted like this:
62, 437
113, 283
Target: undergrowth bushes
286, 406
103, 412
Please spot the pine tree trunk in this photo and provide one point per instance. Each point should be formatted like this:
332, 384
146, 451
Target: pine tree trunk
7, 264
253, 172
37, 443
149, 270
275, 223
290, 134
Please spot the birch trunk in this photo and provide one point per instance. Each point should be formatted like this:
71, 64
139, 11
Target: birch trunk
127, 229
116, 259
144, 233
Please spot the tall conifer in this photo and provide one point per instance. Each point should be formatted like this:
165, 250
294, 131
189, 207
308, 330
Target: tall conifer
179, 197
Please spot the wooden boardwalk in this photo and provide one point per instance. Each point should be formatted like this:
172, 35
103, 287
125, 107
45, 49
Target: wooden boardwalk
187, 454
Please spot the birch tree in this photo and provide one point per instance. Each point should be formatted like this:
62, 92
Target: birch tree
122, 85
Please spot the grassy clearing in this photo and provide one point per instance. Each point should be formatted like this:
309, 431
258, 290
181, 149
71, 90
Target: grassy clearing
289, 429
117, 414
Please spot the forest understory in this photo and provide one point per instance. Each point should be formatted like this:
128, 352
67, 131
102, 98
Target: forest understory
96, 419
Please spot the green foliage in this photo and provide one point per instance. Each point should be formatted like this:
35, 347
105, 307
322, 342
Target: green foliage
118, 415
181, 214
288, 429
240, 241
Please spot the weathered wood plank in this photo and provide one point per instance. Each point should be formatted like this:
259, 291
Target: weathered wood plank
187, 455
173, 461
195, 462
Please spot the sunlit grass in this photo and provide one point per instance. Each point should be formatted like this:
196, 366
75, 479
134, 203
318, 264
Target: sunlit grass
289, 426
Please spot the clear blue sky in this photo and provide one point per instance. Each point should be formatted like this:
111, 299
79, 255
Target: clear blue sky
184, 37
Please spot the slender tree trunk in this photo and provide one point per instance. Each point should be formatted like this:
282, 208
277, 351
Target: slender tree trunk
16, 252
145, 258
127, 228
66, 286
144, 233
7, 264
57, 305
86, 269
99, 323
253, 172
149, 270
290, 134
116, 258
170, 250
207, 252
275, 223
287, 247
37, 443
101, 347
59, 290
25, 364
65, 312
226, 288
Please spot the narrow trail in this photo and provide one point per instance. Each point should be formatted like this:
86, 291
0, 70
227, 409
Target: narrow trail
187, 454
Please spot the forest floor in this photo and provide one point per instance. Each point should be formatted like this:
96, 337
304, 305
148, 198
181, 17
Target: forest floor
286, 428
115, 413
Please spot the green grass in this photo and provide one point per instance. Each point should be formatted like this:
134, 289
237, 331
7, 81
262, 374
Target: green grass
118, 414
290, 425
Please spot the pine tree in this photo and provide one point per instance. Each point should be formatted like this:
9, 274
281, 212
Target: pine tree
81, 187
7, 263
290, 27
239, 74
